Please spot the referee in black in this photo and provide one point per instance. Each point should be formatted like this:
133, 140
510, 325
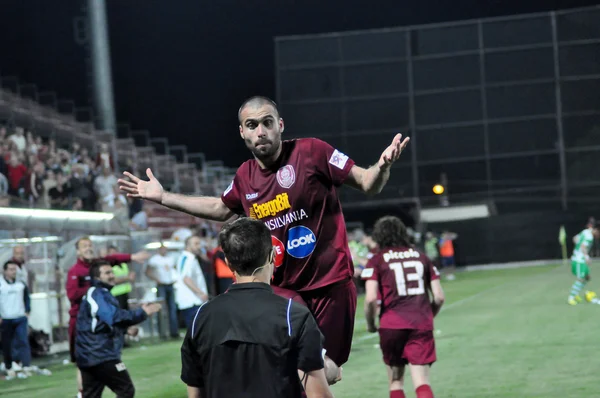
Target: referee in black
250, 342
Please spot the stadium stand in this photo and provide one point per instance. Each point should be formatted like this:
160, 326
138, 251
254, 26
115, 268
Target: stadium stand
51, 158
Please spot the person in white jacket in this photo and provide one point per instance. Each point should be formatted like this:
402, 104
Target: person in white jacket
14, 314
190, 289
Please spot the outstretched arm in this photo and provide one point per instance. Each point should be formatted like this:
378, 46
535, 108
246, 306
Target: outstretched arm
372, 180
207, 207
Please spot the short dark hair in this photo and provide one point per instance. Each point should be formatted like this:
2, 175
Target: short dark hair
10, 262
95, 267
247, 245
257, 100
390, 231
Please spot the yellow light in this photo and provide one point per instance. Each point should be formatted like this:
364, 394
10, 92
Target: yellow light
438, 189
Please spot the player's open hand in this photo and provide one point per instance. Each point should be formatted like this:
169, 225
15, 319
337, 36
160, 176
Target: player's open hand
392, 152
138, 188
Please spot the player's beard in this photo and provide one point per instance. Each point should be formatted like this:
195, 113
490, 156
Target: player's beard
267, 150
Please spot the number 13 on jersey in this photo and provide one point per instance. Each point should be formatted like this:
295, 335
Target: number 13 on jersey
409, 271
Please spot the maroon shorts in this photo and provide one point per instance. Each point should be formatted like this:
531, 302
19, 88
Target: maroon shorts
72, 333
334, 309
402, 346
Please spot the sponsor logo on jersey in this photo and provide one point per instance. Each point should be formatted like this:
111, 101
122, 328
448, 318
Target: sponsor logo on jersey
286, 219
279, 251
338, 159
301, 242
392, 255
270, 208
286, 176
229, 188
250, 196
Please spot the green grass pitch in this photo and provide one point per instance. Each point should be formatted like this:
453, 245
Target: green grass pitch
503, 334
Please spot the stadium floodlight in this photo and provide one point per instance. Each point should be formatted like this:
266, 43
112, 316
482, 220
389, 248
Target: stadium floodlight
56, 214
438, 189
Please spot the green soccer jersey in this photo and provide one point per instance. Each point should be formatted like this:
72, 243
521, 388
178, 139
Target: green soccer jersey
585, 239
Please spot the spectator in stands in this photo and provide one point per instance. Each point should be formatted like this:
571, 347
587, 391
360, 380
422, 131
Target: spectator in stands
139, 222
19, 139
120, 209
77, 204
104, 159
3, 190
16, 173
48, 183
64, 161
161, 269
31, 147
3, 165
81, 188
2, 134
104, 186
75, 156
190, 289
59, 194
35, 183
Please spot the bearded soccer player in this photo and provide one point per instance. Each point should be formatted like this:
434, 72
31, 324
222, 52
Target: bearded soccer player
292, 186
580, 261
405, 278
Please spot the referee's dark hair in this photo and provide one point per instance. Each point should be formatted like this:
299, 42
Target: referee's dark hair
95, 267
247, 245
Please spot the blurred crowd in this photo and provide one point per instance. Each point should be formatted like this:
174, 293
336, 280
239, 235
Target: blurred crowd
36, 173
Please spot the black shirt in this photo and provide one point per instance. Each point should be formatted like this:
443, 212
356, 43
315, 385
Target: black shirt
249, 342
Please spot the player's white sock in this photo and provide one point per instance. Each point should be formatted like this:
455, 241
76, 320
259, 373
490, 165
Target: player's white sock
595, 300
576, 288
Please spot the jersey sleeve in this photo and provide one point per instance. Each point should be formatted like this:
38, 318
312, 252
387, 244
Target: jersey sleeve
371, 273
232, 197
330, 163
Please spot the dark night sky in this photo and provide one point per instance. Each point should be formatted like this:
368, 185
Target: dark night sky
182, 67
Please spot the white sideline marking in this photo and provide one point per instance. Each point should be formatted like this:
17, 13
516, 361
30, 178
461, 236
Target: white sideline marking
466, 299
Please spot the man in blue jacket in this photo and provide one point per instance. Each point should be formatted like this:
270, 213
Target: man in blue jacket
101, 325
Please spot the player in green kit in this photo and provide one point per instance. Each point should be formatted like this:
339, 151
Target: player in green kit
580, 263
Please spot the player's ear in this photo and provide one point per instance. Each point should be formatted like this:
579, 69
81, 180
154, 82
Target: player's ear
281, 125
241, 132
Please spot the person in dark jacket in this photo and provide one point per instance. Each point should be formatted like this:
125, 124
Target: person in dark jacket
101, 325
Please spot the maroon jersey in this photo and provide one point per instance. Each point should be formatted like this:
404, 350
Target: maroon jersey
404, 276
297, 200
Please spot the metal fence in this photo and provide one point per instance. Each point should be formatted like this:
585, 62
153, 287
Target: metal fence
508, 108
